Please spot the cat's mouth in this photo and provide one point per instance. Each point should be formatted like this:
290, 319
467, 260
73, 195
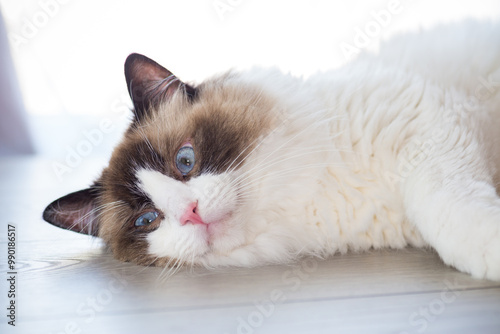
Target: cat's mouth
217, 228
214, 227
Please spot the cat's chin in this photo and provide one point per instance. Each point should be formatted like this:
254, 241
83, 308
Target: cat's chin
218, 239
221, 236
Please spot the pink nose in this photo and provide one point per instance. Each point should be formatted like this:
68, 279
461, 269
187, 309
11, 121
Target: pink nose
191, 215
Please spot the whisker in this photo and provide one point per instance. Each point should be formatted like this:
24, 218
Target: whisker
98, 211
284, 123
263, 140
287, 142
166, 268
289, 156
284, 159
289, 171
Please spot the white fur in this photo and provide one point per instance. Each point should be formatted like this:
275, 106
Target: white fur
188, 242
387, 151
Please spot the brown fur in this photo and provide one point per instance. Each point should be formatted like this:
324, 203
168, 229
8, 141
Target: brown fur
221, 123
222, 120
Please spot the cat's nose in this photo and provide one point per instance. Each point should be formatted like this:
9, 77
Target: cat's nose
191, 215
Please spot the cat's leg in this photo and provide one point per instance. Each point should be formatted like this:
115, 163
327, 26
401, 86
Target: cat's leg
450, 196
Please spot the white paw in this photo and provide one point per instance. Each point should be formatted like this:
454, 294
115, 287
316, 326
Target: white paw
480, 260
491, 260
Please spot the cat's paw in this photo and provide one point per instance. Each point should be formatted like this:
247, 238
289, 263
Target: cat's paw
491, 260
481, 261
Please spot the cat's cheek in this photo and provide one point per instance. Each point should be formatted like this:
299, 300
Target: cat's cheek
226, 236
184, 243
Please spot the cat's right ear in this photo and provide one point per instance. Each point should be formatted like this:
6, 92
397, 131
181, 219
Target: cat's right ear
149, 83
75, 212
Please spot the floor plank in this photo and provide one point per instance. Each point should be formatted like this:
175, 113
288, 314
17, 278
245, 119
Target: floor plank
68, 283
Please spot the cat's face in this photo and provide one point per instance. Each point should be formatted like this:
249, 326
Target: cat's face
174, 191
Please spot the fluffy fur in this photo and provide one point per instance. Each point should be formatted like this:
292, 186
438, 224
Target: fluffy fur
395, 149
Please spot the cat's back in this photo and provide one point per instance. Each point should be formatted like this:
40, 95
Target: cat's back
387, 106
460, 55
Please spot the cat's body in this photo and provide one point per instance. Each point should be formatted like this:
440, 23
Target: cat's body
261, 167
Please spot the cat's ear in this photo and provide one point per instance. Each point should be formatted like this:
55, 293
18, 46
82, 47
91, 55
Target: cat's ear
75, 212
149, 83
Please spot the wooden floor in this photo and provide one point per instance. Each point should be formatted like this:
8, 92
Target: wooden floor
66, 283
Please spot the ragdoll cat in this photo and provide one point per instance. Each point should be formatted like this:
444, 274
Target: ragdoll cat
260, 167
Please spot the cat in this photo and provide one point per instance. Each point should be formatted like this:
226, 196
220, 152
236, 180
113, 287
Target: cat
394, 149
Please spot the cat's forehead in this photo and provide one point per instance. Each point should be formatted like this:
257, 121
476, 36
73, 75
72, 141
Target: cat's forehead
221, 118
222, 124
221, 107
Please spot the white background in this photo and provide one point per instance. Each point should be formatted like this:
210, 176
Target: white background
69, 54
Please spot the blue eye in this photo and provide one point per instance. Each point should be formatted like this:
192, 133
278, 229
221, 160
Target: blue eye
146, 219
185, 159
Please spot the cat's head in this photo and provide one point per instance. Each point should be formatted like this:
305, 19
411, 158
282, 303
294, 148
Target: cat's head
174, 189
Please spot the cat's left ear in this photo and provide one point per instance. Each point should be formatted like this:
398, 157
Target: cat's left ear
75, 212
149, 83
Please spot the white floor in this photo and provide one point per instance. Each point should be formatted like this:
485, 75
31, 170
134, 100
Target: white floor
66, 283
